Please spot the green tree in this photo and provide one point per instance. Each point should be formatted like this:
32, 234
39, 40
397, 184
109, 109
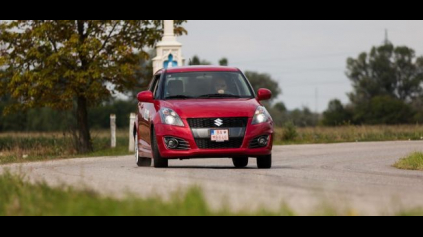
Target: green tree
223, 62
336, 114
73, 64
263, 80
197, 61
386, 71
387, 85
280, 106
384, 110
303, 117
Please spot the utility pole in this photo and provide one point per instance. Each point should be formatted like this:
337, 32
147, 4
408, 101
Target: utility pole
386, 42
317, 100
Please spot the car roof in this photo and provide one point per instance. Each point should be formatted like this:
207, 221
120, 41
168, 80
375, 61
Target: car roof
198, 69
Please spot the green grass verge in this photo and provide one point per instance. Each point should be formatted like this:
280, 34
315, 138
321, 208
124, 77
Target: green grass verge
413, 161
21, 198
326, 135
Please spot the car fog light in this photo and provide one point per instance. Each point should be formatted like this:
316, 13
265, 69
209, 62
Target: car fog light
262, 141
173, 143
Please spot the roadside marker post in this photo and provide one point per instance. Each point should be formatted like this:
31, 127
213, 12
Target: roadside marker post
113, 130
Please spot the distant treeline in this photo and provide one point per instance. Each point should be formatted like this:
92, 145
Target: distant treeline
46, 119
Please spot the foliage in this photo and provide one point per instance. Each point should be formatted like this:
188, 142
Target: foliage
387, 86
413, 161
336, 114
197, 61
384, 110
263, 80
386, 71
49, 120
289, 132
73, 64
223, 62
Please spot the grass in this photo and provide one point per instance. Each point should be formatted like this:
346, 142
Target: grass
320, 135
24, 147
413, 161
21, 198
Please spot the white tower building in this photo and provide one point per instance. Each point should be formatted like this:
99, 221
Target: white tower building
169, 50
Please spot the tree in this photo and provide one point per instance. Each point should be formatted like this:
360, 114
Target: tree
384, 110
280, 106
73, 64
303, 117
263, 80
336, 114
196, 61
387, 85
386, 71
223, 62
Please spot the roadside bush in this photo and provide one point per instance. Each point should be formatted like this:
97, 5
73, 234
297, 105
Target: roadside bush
384, 110
289, 131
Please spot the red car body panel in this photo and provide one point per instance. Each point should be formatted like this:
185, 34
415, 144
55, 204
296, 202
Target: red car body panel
207, 108
148, 119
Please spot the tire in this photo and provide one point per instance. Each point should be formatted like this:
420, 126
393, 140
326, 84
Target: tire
240, 162
141, 161
159, 161
264, 162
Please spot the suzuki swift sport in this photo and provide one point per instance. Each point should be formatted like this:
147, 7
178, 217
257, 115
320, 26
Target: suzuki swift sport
202, 112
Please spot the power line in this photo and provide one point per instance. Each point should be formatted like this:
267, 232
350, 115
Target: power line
312, 70
307, 84
294, 58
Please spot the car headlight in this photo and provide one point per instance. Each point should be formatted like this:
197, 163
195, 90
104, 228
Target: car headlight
261, 115
170, 117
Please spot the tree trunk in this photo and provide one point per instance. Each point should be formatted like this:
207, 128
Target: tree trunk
84, 137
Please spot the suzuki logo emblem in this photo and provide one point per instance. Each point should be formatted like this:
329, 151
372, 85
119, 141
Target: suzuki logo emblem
218, 122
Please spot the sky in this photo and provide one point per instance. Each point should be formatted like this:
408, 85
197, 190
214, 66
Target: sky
307, 58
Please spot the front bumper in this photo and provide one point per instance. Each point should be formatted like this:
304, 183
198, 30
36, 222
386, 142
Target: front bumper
185, 133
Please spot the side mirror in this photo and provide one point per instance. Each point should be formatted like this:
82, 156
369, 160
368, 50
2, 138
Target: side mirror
145, 97
264, 94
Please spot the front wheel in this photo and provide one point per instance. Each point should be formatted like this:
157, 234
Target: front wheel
159, 161
264, 162
240, 162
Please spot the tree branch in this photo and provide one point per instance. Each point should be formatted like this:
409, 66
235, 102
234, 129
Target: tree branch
105, 41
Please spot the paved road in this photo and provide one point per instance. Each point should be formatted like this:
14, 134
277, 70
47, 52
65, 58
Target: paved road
354, 175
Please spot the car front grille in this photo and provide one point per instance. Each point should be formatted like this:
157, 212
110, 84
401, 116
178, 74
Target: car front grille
233, 143
211, 122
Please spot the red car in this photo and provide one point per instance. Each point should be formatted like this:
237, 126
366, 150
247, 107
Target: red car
203, 112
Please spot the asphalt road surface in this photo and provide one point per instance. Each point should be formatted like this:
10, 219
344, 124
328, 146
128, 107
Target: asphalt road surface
356, 176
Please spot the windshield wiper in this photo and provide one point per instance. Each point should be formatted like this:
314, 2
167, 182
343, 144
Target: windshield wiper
219, 96
179, 97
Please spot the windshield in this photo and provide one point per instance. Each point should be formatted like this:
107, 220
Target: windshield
206, 85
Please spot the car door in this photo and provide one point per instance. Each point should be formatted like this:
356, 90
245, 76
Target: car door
146, 112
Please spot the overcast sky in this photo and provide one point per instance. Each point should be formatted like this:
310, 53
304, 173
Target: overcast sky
303, 56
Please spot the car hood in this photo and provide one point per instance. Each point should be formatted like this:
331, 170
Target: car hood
212, 108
